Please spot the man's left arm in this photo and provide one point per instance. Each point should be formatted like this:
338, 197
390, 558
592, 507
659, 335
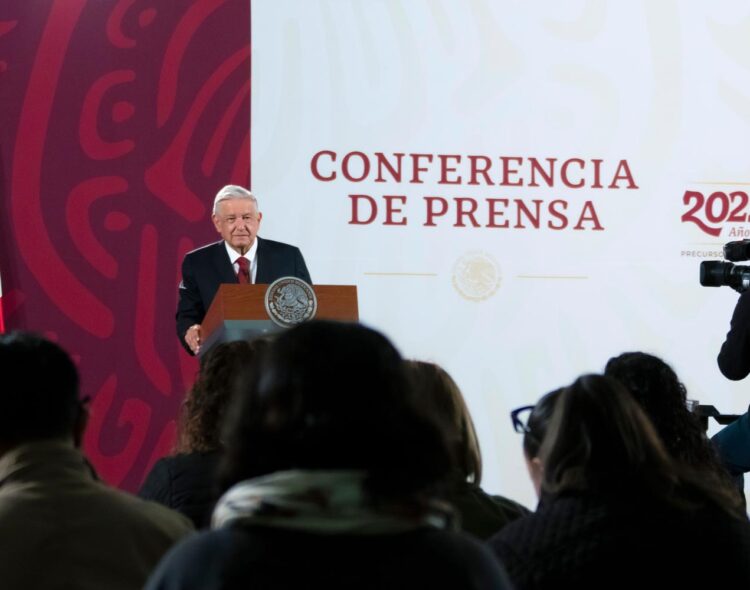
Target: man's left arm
190, 309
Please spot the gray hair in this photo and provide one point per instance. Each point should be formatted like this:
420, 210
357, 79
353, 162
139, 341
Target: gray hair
232, 191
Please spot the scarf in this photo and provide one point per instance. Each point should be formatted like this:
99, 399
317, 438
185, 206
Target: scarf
326, 502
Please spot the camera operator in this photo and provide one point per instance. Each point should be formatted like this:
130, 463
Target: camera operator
734, 356
733, 441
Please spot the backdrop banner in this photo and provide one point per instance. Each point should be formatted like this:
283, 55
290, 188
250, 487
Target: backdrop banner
519, 190
120, 121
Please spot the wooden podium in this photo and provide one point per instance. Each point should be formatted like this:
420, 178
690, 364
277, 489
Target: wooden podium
238, 312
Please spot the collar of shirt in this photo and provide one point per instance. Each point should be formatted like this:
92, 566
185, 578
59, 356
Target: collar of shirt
45, 459
251, 255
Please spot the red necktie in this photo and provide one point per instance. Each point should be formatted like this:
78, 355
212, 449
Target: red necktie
243, 276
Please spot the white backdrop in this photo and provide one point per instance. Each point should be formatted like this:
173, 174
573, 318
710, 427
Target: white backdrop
513, 312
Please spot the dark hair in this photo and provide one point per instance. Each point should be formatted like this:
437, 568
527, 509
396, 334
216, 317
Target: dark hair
40, 397
538, 423
599, 439
329, 395
439, 396
204, 407
656, 387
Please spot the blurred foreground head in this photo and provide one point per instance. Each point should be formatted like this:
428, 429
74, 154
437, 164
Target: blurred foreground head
39, 397
593, 435
333, 396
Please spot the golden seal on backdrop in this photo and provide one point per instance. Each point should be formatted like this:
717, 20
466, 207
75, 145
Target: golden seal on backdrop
290, 301
476, 276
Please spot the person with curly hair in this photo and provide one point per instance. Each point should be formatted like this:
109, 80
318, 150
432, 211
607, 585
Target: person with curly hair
184, 481
663, 397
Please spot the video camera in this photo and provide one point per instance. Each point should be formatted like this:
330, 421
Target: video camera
715, 273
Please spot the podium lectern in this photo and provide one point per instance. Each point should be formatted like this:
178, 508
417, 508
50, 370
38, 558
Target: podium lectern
238, 312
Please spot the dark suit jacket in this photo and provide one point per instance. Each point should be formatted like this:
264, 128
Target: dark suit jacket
204, 269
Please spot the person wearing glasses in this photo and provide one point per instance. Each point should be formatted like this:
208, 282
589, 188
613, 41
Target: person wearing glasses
480, 514
615, 509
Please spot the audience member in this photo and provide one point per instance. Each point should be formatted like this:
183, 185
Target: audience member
329, 472
480, 513
185, 481
615, 509
658, 390
59, 526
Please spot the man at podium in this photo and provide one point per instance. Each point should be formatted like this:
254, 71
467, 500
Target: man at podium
239, 257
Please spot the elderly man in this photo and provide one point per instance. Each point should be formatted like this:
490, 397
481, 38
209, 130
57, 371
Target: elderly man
240, 257
60, 527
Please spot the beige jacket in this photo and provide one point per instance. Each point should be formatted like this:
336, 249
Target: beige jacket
60, 528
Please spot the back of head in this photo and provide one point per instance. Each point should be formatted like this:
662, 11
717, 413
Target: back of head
205, 405
598, 438
657, 389
333, 396
40, 397
439, 396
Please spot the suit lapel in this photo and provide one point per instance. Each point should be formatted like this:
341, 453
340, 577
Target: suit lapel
223, 265
261, 277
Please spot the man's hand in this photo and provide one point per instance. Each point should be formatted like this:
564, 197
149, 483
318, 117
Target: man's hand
193, 338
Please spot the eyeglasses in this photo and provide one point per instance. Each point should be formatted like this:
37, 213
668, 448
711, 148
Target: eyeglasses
520, 418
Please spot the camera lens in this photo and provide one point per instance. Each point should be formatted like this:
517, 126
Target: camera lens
715, 273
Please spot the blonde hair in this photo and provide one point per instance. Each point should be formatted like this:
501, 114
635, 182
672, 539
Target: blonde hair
440, 397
